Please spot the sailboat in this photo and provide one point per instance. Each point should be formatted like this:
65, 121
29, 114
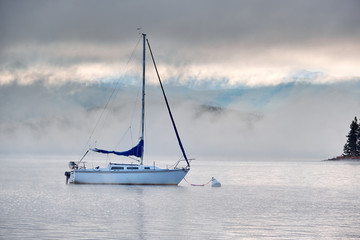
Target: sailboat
131, 174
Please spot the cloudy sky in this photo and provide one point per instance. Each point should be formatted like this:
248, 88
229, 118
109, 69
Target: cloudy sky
268, 64
246, 42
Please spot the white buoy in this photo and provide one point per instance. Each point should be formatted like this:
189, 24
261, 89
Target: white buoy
215, 183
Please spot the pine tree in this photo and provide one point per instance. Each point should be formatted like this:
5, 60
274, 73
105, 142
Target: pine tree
351, 147
358, 140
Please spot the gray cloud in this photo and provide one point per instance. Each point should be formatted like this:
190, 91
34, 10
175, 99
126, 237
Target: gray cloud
192, 22
251, 42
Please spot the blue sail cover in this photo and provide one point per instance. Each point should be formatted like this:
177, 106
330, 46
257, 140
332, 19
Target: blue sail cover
136, 151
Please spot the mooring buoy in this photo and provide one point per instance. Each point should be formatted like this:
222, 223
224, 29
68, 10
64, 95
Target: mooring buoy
215, 183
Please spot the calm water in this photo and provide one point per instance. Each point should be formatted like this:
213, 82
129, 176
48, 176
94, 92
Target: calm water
257, 200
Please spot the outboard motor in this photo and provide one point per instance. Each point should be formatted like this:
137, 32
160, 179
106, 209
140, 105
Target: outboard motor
67, 174
73, 165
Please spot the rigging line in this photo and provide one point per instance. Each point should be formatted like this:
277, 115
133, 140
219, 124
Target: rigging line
131, 122
134, 109
122, 137
131, 136
115, 90
132, 117
112, 94
198, 185
168, 107
84, 156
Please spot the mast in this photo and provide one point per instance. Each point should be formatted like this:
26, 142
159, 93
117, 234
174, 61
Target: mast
143, 102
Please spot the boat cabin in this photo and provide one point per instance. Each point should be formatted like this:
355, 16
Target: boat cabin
131, 167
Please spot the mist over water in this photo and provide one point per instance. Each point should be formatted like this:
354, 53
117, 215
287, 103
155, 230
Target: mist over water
272, 200
297, 120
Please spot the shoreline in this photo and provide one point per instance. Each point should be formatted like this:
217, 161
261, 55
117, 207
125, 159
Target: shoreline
344, 158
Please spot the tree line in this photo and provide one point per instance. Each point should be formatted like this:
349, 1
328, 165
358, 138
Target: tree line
352, 145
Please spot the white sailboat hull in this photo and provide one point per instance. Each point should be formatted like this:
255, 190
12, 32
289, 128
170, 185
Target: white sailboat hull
145, 177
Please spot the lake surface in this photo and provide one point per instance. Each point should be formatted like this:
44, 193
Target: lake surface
257, 200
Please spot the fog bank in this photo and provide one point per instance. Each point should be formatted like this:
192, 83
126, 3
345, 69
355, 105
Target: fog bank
296, 120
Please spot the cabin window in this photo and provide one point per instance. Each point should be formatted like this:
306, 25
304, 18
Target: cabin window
146, 167
132, 168
117, 168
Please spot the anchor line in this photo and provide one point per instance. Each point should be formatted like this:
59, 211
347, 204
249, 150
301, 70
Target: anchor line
198, 185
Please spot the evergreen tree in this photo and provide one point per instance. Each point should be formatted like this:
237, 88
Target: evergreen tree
358, 140
351, 147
